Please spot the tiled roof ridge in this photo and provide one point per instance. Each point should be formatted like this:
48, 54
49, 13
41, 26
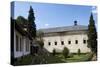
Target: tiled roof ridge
64, 28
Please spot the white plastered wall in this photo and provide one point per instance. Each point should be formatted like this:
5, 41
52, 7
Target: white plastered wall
23, 52
73, 47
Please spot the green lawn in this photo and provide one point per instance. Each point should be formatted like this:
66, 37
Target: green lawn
26, 60
78, 58
54, 59
75, 58
58, 58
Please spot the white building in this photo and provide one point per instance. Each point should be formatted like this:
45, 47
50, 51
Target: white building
21, 42
73, 37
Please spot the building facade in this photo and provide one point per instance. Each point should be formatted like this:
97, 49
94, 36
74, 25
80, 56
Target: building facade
22, 42
73, 37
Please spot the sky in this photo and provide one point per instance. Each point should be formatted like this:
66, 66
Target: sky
48, 15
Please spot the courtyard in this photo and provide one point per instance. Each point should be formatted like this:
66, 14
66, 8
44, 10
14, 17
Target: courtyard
50, 59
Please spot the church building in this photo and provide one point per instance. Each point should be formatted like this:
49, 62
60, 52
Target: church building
73, 37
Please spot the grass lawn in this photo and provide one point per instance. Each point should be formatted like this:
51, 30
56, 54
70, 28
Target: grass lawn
78, 58
54, 59
26, 60
58, 58
75, 58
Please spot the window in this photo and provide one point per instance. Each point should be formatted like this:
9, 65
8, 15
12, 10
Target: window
69, 42
76, 41
20, 44
62, 42
27, 45
17, 43
84, 41
55, 43
49, 43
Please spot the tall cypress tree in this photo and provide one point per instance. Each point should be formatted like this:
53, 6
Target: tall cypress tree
31, 23
92, 35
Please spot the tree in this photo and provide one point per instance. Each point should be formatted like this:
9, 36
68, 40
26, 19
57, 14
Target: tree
40, 38
79, 51
40, 35
65, 52
22, 21
92, 35
54, 52
41, 43
31, 23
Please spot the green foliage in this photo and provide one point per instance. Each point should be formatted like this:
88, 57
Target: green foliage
65, 52
40, 35
79, 52
31, 23
40, 38
70, 55
28, 23
92, 35
54, 52
21, 20
41, 43
25, 60
90, 56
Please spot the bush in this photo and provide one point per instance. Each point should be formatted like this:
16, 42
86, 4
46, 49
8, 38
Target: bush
90, 56
70, 55
65, 52
54, 52
79, 52
25, 60
41, 43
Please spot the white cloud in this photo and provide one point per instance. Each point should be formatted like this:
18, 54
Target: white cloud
93, 7
94, 10
46, 25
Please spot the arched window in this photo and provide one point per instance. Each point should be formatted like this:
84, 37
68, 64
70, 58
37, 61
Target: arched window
49, 43
84, 41
62, 42
69, 42
76, 41
55, 42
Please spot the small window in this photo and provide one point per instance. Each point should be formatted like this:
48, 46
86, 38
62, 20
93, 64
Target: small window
69, 42
76, 41
17, 43
49, 43
27, 45
62, 42
84, 41
55, 43
20, 44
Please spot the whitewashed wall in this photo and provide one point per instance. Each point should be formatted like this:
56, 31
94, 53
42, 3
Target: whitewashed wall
72, 47
23, 52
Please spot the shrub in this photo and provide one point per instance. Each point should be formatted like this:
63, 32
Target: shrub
70, 55
65, 52
41, 43
25, 60
79, 52
54, 52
